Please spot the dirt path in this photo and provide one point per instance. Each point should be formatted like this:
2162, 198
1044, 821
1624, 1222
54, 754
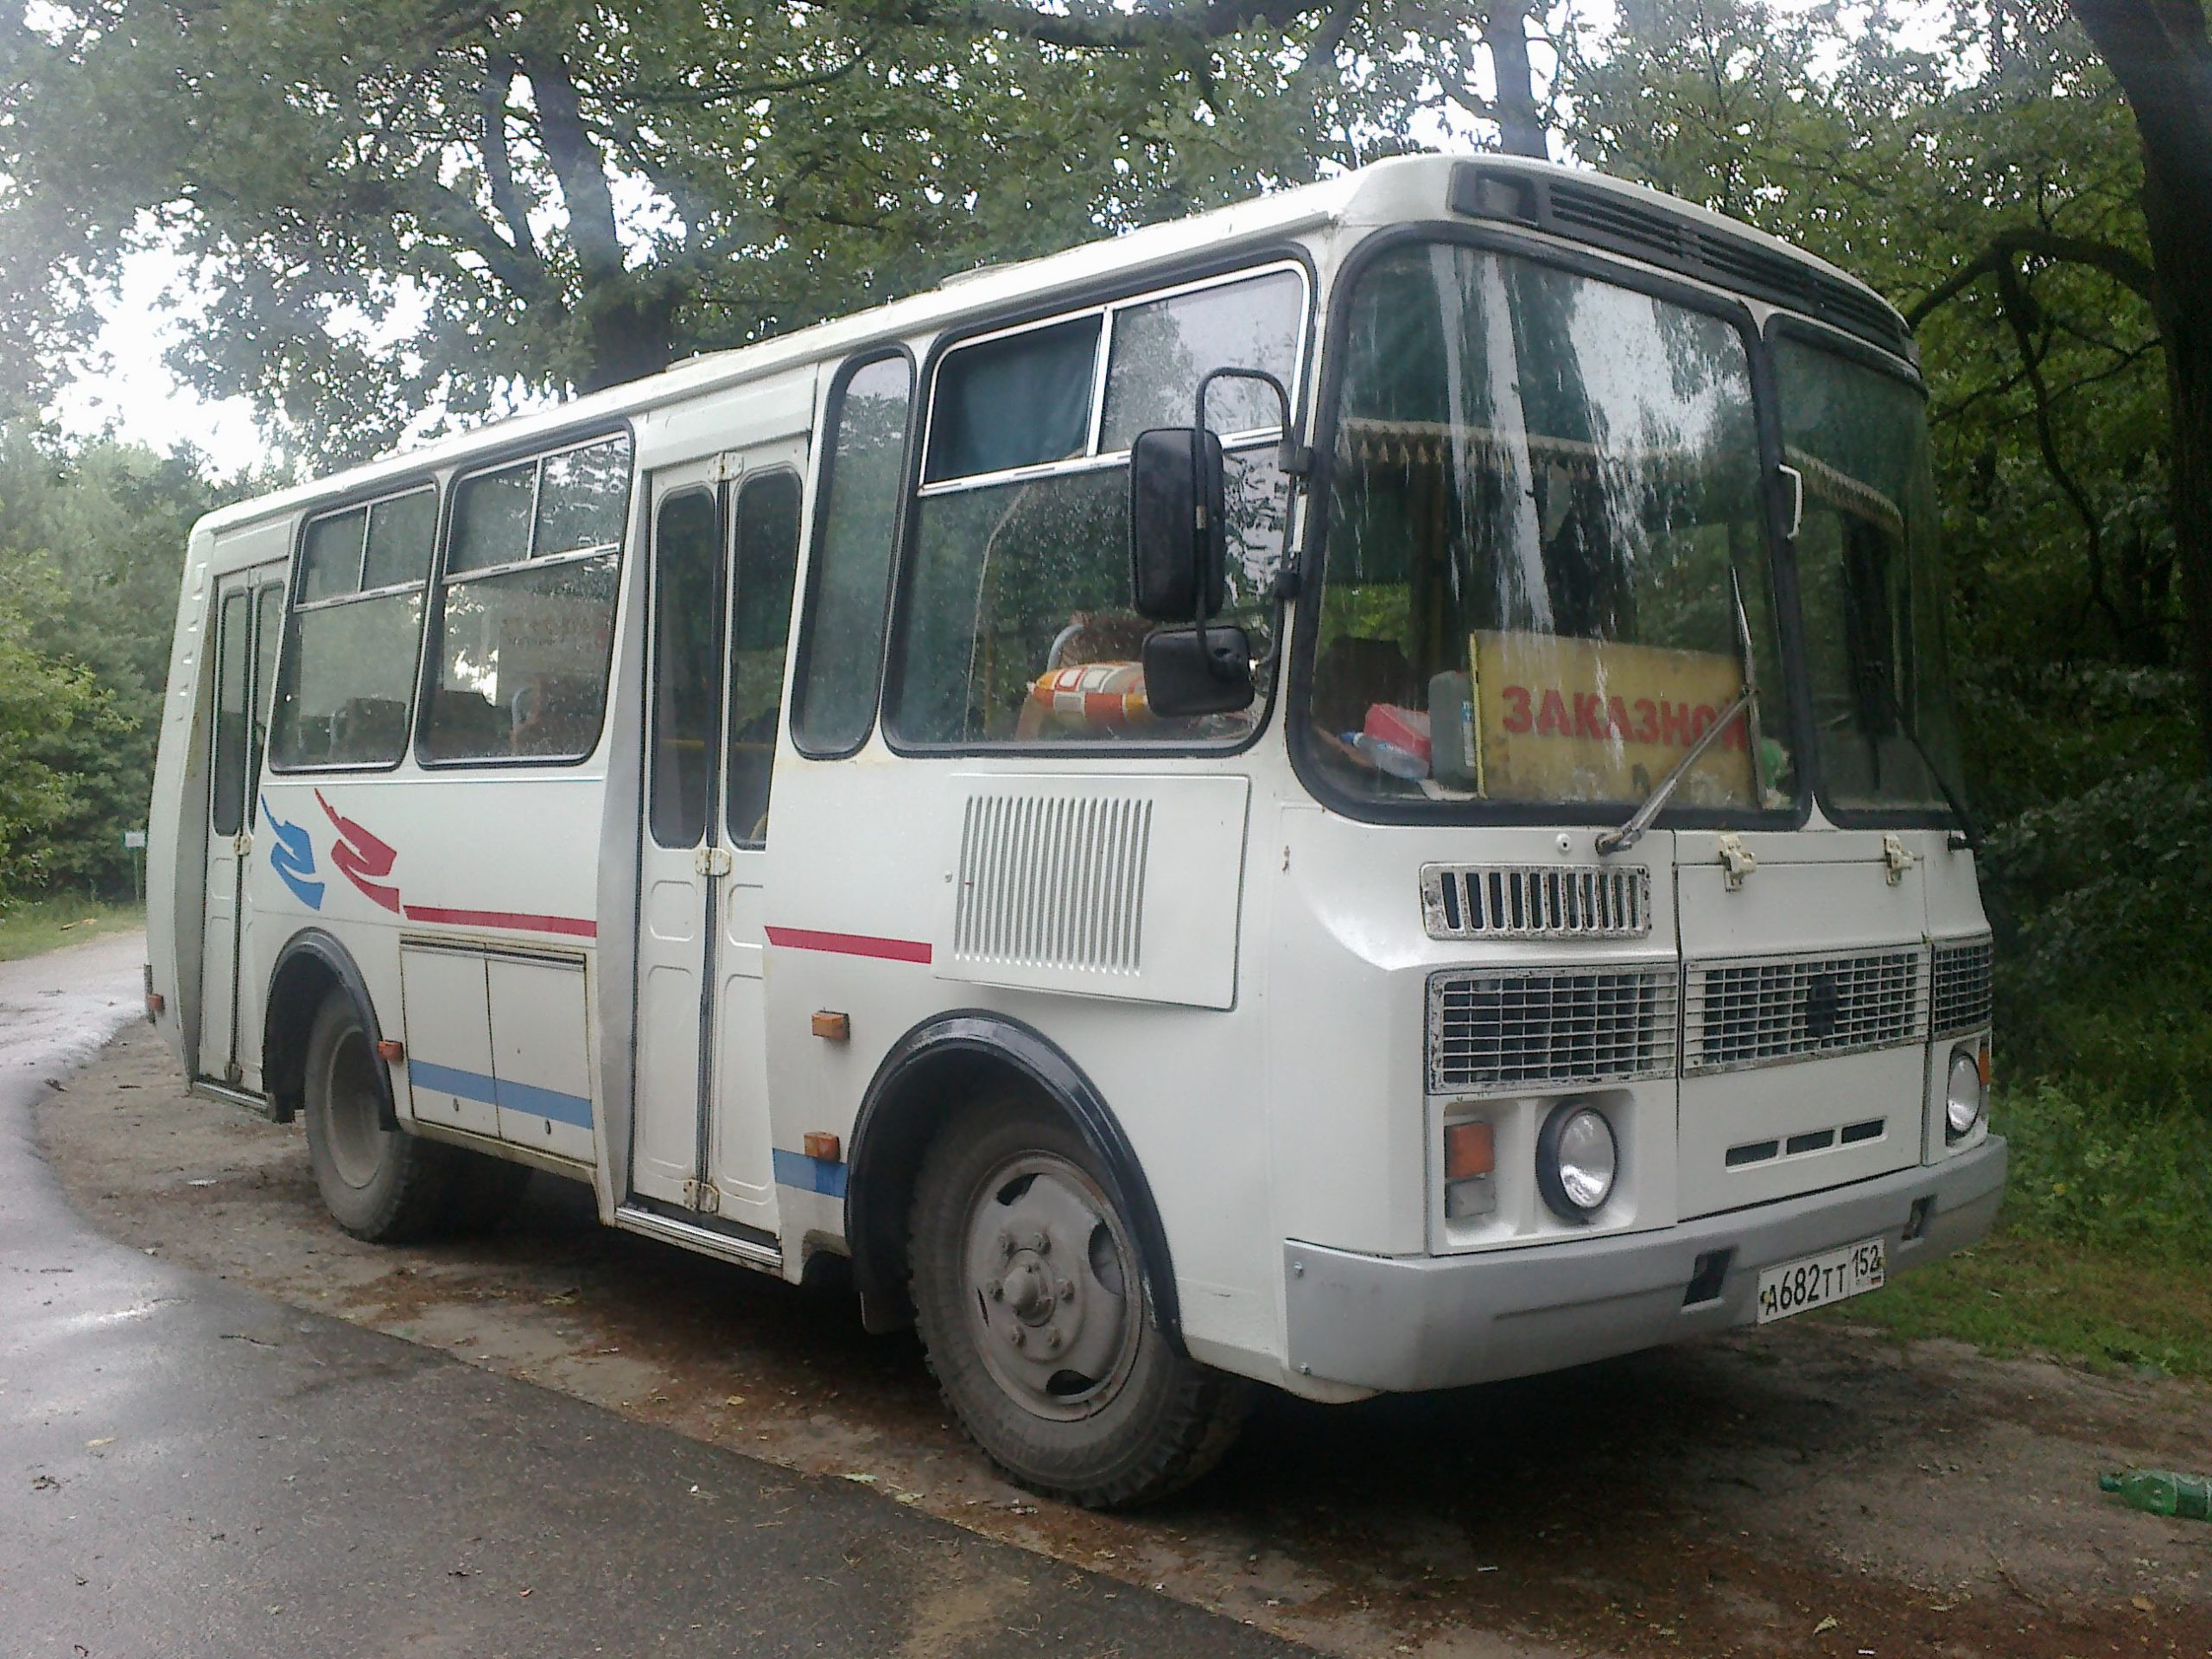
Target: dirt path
1812, 1489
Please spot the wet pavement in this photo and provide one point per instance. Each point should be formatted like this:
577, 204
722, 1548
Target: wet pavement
187, 1467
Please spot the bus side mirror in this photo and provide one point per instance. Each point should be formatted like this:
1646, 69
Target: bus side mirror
1198, 671
1178, 545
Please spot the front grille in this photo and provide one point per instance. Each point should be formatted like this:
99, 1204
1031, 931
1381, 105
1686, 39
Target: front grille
1508, 901
1959, 998
1549, 1028
1761, 1012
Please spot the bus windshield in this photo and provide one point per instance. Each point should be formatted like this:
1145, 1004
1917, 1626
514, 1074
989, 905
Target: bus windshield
1546, 573
1870, 582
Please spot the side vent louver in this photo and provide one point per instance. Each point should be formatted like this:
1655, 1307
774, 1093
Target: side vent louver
1053, 882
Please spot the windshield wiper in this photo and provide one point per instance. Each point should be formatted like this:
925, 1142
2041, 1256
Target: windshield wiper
1615, 841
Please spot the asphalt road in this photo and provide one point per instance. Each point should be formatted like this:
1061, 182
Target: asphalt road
188, 1468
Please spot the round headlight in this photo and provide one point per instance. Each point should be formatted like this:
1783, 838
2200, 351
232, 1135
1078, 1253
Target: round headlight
1963, 1096
1577, 1159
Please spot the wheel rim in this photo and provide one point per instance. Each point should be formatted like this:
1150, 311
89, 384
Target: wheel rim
1054, 1298
354, 1136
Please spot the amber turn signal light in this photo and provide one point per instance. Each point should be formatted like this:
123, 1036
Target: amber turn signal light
391, 1048
1470, 1149
820, 1144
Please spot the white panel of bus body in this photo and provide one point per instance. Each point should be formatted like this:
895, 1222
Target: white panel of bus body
1813, 894
740, 1160
541, 1056
1125, 885
446, 1006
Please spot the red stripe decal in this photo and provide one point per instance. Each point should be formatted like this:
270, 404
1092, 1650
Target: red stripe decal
506, 919
848, 945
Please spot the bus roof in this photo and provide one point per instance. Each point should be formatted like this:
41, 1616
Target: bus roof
1409, 187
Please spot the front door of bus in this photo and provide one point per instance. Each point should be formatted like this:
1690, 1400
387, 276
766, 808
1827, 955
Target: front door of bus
249, 620
725, 549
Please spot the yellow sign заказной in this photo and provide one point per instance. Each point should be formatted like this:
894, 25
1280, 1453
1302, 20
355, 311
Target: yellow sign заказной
1567, 720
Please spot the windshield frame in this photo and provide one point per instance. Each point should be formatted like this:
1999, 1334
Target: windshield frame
1804, 331
1733, 310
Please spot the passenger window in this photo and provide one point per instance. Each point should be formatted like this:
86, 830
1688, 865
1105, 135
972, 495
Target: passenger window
1013, 402
356, 625
687, 665
233, 678
1162, 349
526, 609
850, 582
760, 622
1018, 625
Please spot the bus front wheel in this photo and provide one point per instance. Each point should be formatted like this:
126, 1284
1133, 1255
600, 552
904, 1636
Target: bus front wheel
1034, 1306
379, 1184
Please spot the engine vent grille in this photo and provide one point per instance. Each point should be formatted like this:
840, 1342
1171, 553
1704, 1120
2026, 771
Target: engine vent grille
1549, 1028
1053, 882
1762, 1013
1508, 901
1653, 230
1960, 988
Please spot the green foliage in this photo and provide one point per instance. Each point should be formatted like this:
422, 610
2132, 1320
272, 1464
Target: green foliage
92, 549
2097, 1163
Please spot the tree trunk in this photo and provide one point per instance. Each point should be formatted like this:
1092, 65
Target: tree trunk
2158, 53
1520, 123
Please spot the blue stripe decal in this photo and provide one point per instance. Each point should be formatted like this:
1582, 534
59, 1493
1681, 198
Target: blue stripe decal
809, 1174
497, 1091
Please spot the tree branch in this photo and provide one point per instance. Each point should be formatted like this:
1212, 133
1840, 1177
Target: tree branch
500, 72
2117, 263
579, 166
1102, 28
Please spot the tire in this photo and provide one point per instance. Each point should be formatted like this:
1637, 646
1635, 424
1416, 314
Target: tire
384, 1186
1059, 1373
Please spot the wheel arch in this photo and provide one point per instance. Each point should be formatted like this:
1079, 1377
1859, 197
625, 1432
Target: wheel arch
310, 966
920, 1083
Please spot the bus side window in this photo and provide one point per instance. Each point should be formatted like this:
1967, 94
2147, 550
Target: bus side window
760, 623
849, 582
526, 608
356, 624
1019, 625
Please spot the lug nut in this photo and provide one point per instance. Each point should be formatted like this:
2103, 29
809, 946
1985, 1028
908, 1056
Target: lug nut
1053, 1341
1043, 1244
998, 1293
1006, 1242
1066, 1288
1019, 1336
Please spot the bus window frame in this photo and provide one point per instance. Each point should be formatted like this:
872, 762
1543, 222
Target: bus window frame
815, 523
539, 450
1739, 313
1821, 336
295, 573
733, 591
1126, 291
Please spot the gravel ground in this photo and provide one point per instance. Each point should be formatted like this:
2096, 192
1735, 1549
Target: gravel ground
1812, 1489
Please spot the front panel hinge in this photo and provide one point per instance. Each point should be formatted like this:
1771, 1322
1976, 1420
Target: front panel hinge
703, 1197
1897, 857
1736, 861
241, 844
711, 861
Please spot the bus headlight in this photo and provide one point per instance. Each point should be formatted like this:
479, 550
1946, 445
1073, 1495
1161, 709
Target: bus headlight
1964, 1096
1576, 1160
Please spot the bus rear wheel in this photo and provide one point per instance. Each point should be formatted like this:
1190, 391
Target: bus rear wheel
1035, 1309
381, 1185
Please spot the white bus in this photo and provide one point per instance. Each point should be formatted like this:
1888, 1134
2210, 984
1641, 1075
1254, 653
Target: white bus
1441, 867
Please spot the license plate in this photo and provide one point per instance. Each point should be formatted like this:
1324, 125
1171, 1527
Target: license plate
1816, 1280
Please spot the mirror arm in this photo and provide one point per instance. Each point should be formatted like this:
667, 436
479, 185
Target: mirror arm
1296, 460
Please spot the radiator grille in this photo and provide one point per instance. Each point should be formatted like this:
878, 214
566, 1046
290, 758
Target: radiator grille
1553, 1027
1053, 882
1959, 989
1506, 901
1744, 1014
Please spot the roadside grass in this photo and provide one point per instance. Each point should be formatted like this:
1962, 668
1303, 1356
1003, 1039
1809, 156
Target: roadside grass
2016, 1294
31, 926
2103, 1251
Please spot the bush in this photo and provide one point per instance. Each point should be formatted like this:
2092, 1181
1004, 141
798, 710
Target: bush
2097, 1166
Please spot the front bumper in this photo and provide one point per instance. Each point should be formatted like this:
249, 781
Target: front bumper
1402, 1323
